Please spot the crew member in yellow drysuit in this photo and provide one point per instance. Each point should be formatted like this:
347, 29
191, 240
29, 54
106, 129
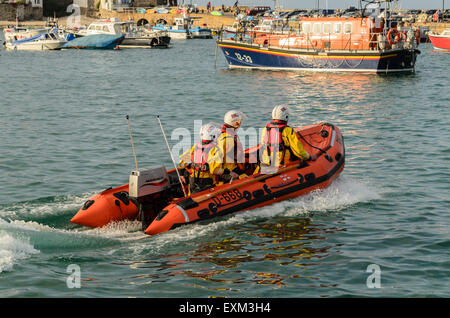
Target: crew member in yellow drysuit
280, 143
200, 164
233, 160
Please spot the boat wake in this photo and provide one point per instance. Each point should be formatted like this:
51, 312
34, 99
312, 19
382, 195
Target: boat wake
343, 193
43, 208
13, 250
23, 237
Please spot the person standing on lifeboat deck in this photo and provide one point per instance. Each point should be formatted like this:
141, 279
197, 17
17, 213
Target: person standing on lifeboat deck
197, 163
280, 142
230, 147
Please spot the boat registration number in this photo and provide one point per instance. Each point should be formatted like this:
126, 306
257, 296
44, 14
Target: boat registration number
227, 197
243, 57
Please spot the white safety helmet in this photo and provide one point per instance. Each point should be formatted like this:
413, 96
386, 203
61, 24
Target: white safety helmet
209, 132
280, 112
234, 118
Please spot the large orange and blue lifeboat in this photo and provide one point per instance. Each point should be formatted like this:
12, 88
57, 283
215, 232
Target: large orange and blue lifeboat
155, 197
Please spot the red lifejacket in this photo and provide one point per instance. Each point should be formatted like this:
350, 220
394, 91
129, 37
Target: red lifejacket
273, 139
200, 156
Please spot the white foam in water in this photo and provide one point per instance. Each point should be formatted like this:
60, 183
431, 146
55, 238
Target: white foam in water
123, 230
13, 250
35, 208
342, 193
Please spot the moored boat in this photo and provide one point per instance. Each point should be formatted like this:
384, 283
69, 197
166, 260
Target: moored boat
95, 42
20, 33
178, 31
155, 197
346, 44
134, 36
201, 32
440, 41
183, 29
49, 40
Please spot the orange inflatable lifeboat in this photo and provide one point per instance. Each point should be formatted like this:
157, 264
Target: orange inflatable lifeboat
155, 196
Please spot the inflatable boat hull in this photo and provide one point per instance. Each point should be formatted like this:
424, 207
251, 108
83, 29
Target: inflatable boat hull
299, 178
108, 206
259, 190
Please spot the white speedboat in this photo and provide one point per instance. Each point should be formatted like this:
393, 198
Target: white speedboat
178, 31
41, 42
184, 29
20, 33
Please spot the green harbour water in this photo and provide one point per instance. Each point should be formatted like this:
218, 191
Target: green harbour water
64, 138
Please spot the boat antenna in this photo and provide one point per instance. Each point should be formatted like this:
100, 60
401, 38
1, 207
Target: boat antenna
171, 156
132, 142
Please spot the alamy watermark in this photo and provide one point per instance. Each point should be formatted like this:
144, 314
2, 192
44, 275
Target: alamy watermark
74, 278
374, 279
74, 20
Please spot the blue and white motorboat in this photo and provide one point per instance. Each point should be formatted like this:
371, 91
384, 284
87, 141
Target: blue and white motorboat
49, 40
184, 29
178, 31
135, 37
201, 33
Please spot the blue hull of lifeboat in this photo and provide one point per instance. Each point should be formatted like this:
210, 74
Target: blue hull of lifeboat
242, 55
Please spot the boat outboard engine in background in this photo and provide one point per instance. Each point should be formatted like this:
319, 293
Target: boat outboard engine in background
149, 190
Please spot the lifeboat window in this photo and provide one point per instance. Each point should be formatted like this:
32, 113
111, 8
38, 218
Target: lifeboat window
307, 27
338, 28
105, 28
327, 28
347, 28
317, 28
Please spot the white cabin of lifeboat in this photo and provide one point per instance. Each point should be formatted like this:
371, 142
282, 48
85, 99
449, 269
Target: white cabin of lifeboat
336, 33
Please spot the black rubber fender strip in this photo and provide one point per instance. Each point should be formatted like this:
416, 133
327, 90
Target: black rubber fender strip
244, 205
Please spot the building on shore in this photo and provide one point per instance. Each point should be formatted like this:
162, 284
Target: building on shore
21, 10
89, 7
115, 4
57, 8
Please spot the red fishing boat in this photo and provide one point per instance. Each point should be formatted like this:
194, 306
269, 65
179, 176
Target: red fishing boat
440, 41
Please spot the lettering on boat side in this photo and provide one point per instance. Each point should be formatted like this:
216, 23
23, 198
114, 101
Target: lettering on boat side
226, 198
244, 58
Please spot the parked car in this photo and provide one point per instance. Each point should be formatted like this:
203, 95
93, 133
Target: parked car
446, 15
257, 9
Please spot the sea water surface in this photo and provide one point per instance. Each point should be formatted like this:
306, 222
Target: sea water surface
382, 229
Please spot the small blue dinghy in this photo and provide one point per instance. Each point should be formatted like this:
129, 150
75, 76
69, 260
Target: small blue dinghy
95, 42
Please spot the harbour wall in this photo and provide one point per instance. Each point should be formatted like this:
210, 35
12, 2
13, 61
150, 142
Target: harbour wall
213, 22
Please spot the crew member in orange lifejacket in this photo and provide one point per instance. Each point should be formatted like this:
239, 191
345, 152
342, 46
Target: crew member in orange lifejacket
280, 143
233, 160
198, 163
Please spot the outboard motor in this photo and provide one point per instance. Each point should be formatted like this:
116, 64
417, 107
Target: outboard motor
148, 189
